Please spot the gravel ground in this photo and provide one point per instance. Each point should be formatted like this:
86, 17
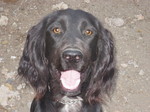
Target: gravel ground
128, 20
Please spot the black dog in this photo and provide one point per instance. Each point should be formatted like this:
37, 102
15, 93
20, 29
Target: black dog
69, 60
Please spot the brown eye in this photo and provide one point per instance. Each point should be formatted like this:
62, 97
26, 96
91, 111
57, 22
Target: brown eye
57, 30
88, 32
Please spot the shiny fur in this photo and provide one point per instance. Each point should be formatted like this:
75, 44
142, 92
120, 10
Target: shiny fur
42, 62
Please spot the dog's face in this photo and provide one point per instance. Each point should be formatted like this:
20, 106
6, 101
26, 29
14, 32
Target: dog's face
71, 48
70, 51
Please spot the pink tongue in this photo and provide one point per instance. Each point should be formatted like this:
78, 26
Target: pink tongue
70, 79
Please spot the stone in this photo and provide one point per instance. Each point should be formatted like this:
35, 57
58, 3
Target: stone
14, 25
1, 60
59, 6
21, 86
3, 21
134, 63
141, 72
139, 17
13, 57
7, 94
124, 65
116, 22
87, 1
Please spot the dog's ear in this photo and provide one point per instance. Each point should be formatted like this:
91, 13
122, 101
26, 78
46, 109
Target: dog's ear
33, 63
103, 75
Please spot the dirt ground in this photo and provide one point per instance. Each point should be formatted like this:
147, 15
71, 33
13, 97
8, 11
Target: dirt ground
128, 20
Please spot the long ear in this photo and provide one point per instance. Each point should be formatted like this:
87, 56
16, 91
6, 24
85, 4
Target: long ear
33, 63
103, 76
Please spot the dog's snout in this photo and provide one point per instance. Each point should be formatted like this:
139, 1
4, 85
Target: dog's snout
72, 56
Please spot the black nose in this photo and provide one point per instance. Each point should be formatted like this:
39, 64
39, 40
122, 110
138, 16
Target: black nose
72, 56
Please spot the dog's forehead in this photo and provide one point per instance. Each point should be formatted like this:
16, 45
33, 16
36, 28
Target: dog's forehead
75, 16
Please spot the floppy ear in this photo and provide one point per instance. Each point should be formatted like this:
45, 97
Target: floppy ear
103, 76
33, 63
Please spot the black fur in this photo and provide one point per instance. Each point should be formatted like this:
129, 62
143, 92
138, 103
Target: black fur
42, 61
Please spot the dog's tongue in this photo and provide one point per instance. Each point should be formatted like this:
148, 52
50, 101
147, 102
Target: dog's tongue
70, 79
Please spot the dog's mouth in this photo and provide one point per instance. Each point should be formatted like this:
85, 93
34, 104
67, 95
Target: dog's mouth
70, 80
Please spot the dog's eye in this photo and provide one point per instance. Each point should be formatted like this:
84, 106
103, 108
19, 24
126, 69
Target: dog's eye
57, 30
88, 32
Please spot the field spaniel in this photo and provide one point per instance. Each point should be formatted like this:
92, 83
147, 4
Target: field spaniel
68, 59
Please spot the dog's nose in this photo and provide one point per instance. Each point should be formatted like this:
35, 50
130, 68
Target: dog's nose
72, 56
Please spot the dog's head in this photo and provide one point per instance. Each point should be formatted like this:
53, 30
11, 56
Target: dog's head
72, 52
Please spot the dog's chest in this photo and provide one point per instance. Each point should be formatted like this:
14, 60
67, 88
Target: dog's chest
71, 105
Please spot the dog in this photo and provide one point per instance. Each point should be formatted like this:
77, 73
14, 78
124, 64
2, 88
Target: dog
69, 59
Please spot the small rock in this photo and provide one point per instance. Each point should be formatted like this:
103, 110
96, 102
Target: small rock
127, 52
3, 21
139, 17
59, 6
32, 93
141, 72
7, 95
1, 60
13, 57
124, 65
134, 63
117, 22
21, 86
87, 1
14, 25
126, 99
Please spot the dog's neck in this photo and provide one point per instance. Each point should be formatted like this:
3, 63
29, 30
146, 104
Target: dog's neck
69, 101
71, 104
